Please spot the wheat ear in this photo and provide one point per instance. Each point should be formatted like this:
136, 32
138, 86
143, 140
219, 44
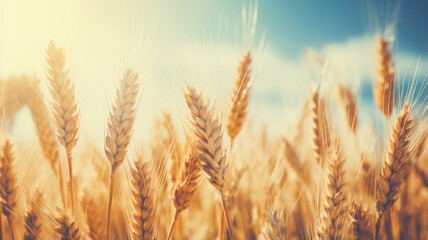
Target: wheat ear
33, 225
120, 128
396, 166
294, 161
175, 147
93, 218
363, 223
142, 201
240, 97
335, 203
208, 143
320, 128
63, 106
66, 228
384, 90
276, 229
185, 188
347, 100
45, 131
8, 188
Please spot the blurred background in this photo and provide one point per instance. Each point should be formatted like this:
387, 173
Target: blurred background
295, 45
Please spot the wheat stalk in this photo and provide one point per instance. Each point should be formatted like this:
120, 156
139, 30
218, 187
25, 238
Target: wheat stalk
33, 225
391, 181
240, 96
8, 187
208, 143
120, 128
142, 201
64, 107
335, 202
186, 186
66, 228
384, 91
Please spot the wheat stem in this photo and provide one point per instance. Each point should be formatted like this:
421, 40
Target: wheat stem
174, 220
11, 228
226, 213
70, 172
378, 222
110, 200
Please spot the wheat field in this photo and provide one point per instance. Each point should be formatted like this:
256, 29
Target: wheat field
209, 171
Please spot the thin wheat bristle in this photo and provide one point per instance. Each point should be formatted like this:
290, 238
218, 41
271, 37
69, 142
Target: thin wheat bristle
142, 201
390, 183
66, 228
33, 224
347, 99
335, 205
240, 97
384, 91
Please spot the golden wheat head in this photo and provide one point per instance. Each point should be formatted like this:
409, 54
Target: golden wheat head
121, 120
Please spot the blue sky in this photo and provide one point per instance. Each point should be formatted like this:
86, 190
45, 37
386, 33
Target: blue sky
171, 43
